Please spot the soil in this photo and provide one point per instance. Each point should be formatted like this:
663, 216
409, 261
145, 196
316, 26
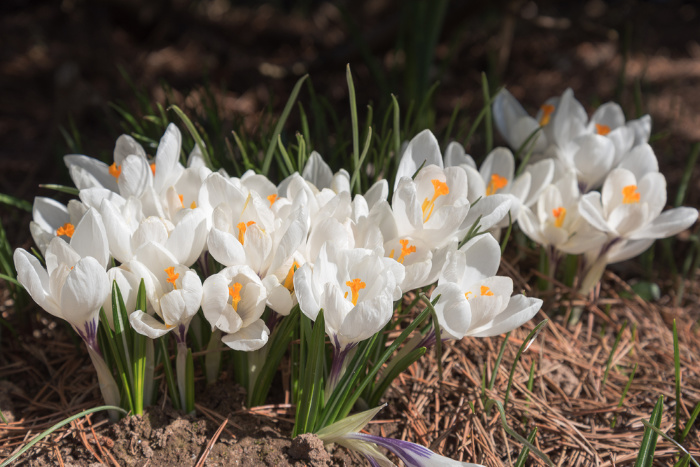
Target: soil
164, 437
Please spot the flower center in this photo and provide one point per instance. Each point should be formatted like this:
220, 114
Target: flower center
485, 292
235, 293
440, 188
497, 182
172, 276
355, 286
289, 280
602, 130
559, 216
242, 227
630, 194
406, 250
547, 111
115, 170
272, 198
66, 229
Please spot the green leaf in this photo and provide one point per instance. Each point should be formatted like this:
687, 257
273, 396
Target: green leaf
63, 189
16, 202
648, 447
267, 161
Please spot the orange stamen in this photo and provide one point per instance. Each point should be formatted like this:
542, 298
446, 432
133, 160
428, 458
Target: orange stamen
406, 250
66, 229
440, 188
242, 227
559, 216
485, 291
235, 293
602, 130
193, 205
153, 167
289, 280
272, 198
547, 111
355, 286
115, 170
172, 276
182, 200
497, 182
466, 295
630, 194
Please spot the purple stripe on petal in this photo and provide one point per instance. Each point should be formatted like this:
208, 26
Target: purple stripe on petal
181, 333
371, 461
411, 454
89, 334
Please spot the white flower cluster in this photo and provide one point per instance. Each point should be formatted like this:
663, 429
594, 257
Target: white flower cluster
576, 155
306, 241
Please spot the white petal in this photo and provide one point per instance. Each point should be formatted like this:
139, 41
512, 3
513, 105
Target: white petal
249, 338
90, 238
422, 150
147, 325
84, 292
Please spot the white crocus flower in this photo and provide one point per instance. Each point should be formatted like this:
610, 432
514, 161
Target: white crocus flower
516, 125
346, 433
173, 290
320, 174
423, 150
127, 231
629, 211
473, 300
433, 206
356, 290
51, 219
496, 176
233, 301
556, 221
71, 288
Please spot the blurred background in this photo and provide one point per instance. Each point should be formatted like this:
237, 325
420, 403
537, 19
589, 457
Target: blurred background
65, 66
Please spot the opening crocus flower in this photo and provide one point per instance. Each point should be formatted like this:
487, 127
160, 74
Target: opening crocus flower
356, 289
233, 301
473, 300
346, 432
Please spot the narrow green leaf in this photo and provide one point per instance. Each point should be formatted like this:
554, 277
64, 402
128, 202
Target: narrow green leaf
63, 189
612, 354
487, 106
267, 161
58, 425
497, 364
195, 135
677, 367
169, 377
520, 462
526, 344
648, 447
16, 202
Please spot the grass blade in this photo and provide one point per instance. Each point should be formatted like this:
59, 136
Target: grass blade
58, 425
267, 161
648, 447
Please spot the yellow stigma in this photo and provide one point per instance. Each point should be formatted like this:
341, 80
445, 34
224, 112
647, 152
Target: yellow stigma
602, 130
66, 229
115, 170
559, 216
547, 111
630, 194
486, 292
172, 276
242, 227
193, 205
355, 286
272, 198
235, 293
406, 250
440, 188
497, 182
289, 280
153, 167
